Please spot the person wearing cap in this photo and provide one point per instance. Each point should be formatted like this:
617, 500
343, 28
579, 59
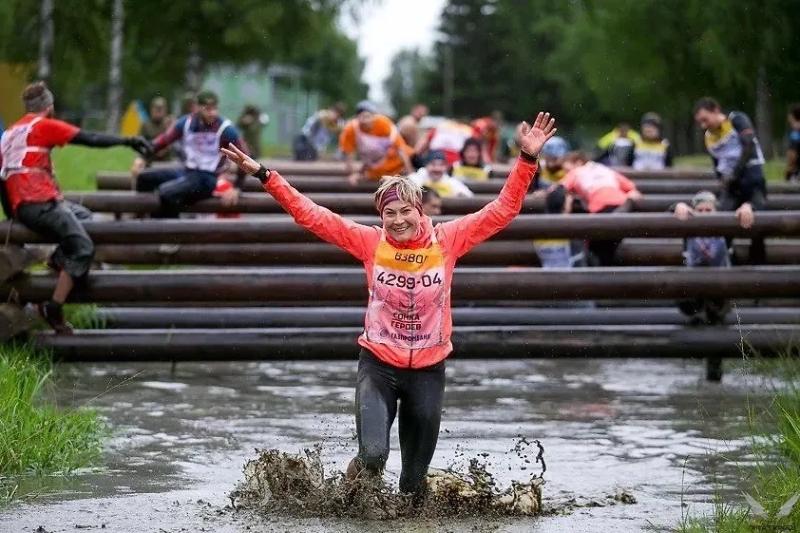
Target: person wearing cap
707, 252
203, 133
378, 144
470, 166
651, 151
409, 264
553, 153
31, 195
434, 176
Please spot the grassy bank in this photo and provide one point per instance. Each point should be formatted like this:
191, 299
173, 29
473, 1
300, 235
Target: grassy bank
36, 437
775, 490
77, 166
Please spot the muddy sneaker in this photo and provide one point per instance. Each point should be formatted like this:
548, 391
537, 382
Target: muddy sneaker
53, 314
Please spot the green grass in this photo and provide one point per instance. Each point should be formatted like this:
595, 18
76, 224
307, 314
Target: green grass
37, 438
77, 166
83, 316
773, 169
776, 453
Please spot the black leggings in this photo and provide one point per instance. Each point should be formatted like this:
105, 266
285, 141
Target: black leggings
420, 392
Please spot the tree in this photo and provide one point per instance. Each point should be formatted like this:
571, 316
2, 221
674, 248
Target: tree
163, 38
403, 86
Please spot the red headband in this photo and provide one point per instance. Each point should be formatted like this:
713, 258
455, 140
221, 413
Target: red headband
390, 195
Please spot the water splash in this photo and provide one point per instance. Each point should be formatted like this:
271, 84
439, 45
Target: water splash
295, 484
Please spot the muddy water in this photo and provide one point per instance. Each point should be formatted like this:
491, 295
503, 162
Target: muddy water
180, 438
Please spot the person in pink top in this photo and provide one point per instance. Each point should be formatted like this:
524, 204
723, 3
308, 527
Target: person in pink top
601, 189
409, 265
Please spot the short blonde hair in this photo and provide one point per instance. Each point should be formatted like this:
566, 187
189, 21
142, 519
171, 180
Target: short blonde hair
407, 190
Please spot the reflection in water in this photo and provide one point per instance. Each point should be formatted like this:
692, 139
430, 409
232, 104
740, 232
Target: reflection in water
652, 427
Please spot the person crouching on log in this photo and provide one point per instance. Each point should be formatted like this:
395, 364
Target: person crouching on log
30, 193
409, 265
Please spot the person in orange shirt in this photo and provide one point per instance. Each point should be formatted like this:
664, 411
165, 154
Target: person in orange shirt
379, 146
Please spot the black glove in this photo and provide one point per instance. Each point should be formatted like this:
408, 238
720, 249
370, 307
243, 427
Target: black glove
141, 145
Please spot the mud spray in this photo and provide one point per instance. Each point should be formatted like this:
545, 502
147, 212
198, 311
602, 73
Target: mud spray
295, 484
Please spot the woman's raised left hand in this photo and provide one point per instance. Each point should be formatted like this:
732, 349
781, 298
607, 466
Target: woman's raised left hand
532, 138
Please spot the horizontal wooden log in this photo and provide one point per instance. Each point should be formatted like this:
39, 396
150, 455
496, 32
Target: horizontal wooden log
284, 230
348, 284
312, 317
357, 203
337, 168
632, 252
469, 342
122, 181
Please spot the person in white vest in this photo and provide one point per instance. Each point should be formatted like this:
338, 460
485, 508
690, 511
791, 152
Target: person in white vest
203, 133
30, 193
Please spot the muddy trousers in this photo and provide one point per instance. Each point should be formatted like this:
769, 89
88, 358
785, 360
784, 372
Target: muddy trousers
419, 391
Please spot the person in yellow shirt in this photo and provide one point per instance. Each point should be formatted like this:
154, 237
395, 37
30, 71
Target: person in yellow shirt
552, 156
470, 166
652, 151
378, 144
617, 146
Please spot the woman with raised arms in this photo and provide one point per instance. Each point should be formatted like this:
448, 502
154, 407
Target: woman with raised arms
409, 264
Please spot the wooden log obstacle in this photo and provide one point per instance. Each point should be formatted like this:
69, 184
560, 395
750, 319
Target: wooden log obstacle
122, 181
357, 203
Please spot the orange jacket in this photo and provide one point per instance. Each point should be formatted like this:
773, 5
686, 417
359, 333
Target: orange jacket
455, 238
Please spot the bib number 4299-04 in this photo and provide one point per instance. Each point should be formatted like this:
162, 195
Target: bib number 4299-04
409, 282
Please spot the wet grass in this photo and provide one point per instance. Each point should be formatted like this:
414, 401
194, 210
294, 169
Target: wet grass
84, 316
772, 503
37, 438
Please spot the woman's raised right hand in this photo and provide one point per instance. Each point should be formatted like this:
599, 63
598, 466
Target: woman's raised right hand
240, 159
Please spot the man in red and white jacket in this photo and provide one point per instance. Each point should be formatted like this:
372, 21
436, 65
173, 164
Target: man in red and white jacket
31, 195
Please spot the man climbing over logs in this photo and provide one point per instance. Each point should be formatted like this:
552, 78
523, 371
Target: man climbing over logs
202, 133
409, 265
31, 194
738, 162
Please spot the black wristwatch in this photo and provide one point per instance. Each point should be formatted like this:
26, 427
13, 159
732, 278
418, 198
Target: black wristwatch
262, 173
528, 157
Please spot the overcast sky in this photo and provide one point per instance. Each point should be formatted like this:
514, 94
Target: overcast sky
389, 26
